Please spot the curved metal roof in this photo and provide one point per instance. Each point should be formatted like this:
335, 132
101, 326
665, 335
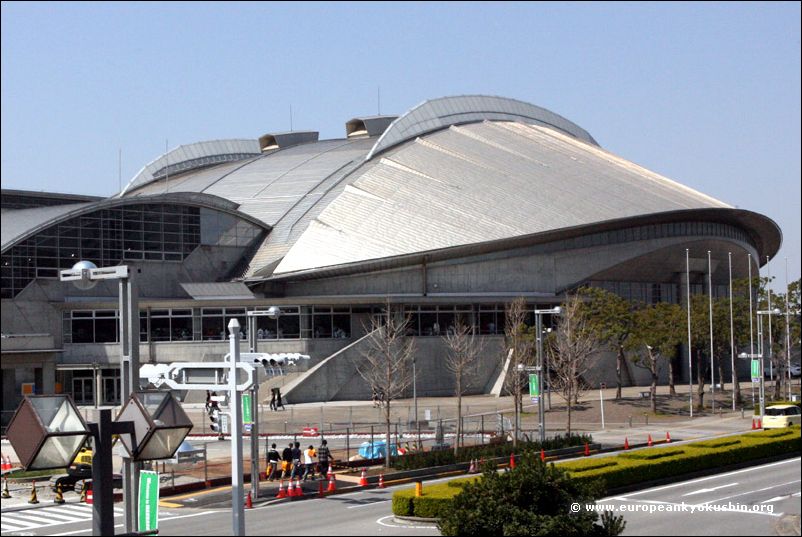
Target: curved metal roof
477, 183
192, 156
19, 225
439, 113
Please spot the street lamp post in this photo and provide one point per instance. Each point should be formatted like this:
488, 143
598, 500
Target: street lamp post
84, 276
539, 333
761, 345
759, 356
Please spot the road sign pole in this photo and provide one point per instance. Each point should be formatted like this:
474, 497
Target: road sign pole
255, 440
237, 492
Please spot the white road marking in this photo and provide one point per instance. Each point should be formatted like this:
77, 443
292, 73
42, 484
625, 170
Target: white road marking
89, 530
775, 499
41, 517
717, 476
750, 492
701, 491
410, 526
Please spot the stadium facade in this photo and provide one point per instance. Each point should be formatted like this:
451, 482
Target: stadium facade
451, 209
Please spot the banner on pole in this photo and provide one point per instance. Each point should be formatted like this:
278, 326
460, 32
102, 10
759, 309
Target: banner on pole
755, 370
148, 501
534, 387
246, 409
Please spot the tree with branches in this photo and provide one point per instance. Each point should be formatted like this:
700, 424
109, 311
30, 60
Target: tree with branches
519, 344
386, 364
658, 331
464, 348
570, 348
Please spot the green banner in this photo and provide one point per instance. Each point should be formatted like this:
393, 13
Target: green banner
755, 370
246, 409
148, 501
534, 387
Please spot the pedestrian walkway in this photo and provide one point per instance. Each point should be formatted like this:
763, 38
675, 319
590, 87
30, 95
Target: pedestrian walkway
29, 519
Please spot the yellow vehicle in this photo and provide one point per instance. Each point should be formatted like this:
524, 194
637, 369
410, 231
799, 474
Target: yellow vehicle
781, 416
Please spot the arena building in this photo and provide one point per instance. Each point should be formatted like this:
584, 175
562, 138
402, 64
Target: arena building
451, 209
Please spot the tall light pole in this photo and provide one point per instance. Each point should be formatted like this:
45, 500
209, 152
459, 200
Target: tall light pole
688, 300
710, 301
235, 403
751, 323
539, 333
787, 329
759, 355
735, 387
85, 275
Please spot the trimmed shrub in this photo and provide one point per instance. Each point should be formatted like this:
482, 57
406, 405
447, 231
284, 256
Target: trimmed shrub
651, 455
715, 443
402, 502
428, 459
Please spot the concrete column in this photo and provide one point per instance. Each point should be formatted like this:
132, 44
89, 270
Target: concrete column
48, 377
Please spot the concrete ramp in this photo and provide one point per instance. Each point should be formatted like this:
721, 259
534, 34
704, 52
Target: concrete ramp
335, 378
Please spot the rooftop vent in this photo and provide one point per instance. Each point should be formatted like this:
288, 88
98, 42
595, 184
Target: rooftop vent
281, 140
368, 126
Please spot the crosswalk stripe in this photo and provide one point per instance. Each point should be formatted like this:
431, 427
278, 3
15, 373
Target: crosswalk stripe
27, 517
79, 509
10, 527
56, 512
18, 521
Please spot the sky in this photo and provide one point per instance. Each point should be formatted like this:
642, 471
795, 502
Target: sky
707, 94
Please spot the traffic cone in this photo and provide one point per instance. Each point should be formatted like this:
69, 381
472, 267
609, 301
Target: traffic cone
649, 443
291, 489
329, 473
668, 438
759, 424
59, 499
363, 480
6, 494
320, 492
626, 443
3, 465
471, 468
754, 425
587, 449
512, 461
542, 455
33, 499
381, 481
248, 501
281, 492
89, 497
7, 463
299, 491
332, 484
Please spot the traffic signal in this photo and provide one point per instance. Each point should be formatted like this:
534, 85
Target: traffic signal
214, 420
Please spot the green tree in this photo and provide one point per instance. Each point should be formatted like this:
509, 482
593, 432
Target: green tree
657, 333
533, 499
611, 317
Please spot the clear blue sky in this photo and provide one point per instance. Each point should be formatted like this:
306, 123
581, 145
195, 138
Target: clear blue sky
707, 94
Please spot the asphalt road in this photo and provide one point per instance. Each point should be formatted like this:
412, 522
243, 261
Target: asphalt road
761, 500
772, 488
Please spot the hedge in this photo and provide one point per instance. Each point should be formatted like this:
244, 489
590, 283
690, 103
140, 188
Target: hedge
428, 459
627, 468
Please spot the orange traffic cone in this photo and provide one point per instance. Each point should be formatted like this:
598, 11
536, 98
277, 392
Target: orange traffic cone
299, 491
512, 461
542, 455
89, 496
587, 449
754, 425
291, 489
320, 491
332, 484
649, 443
759, 424
281, 492
381, 481
363, 480
248, 501
329, 473
626, 443
668, 438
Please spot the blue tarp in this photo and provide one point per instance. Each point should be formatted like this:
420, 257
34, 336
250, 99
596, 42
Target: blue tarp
376, 450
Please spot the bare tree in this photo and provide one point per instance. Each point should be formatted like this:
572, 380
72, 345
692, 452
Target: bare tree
570, 349
464, 348
519, 346
387, 362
